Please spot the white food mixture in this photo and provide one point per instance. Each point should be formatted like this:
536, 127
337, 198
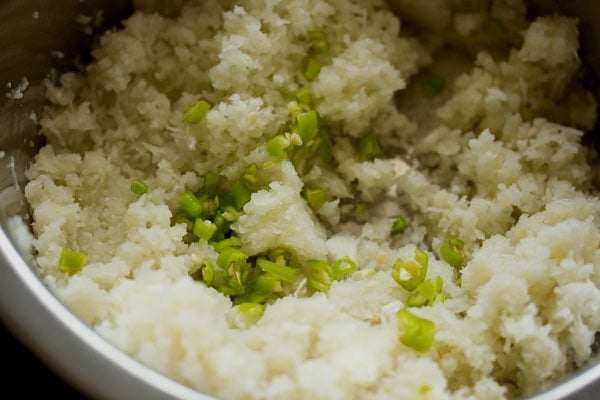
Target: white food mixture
480, 113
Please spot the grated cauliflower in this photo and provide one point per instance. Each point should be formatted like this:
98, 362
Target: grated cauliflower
493, 157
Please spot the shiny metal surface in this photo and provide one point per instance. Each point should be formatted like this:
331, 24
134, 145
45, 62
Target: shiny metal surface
30, 30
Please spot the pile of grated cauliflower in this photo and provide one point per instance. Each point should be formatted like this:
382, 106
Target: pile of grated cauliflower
491, 154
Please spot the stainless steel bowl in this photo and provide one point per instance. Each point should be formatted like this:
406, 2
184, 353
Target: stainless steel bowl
31, 33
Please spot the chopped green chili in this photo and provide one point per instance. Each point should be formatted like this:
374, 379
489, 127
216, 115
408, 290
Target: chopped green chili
411, 273
369, 149
280, 256
232, 287
282, 272
139, 187
319, 44
211, 183
302, 95
231, 242
277, 146
308, 125
267, 284
424, 389
197, 112
252, 309
399, 225
230, 214
323, 146
415, 332
190, 204
319, 275
315, 198
428, 293
71, 261
343, 267
249, 177
231, 256
208, 273
451, 251
313, 68
204, 229
294, 109
240, 194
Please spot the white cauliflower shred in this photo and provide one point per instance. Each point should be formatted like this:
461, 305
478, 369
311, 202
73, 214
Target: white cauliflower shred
493, 157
